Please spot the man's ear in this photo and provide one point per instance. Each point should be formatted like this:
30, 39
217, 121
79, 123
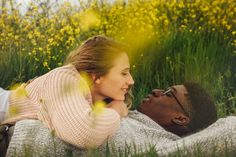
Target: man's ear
96, 79
181, 120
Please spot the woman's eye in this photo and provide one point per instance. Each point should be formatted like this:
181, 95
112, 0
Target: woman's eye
124, 74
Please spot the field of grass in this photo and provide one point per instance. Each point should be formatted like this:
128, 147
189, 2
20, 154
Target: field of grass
170, 41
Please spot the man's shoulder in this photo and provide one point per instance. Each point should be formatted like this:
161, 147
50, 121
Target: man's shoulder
142, 118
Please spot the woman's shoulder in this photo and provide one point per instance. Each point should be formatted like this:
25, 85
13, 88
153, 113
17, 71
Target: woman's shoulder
66, 70
67, 75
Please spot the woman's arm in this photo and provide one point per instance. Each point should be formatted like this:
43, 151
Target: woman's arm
66, 110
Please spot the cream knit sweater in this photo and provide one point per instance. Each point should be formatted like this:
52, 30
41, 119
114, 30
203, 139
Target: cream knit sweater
61, 99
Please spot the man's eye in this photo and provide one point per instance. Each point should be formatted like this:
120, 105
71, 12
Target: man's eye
168, 94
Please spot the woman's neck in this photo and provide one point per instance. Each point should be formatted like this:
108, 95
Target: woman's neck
96, 96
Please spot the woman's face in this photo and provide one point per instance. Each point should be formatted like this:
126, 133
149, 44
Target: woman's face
116, 82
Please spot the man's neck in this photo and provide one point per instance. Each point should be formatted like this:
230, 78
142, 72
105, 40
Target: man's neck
177, 129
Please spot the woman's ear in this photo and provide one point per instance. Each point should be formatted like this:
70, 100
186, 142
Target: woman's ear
181, 120
96, 79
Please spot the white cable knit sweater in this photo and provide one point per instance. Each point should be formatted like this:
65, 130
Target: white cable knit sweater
136, 129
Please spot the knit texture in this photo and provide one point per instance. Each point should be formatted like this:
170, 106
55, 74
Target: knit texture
137, 132
61, 99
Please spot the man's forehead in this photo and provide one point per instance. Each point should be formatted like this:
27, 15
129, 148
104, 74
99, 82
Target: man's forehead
182, 95
180, 89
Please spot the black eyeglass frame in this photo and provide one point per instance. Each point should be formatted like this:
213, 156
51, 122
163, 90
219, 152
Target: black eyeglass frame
169, 90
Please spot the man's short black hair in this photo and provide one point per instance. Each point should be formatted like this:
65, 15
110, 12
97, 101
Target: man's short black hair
203, 108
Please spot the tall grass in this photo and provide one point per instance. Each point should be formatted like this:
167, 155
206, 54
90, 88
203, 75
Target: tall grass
183, 57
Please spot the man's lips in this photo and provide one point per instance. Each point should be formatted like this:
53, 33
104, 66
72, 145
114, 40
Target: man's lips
147, 98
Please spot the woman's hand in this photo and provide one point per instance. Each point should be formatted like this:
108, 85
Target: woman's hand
119, 106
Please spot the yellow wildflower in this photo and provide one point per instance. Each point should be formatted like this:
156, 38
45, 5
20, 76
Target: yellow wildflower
40, 49
45, 64
19, 90
89, 19
85, 84
13, 110
98, 108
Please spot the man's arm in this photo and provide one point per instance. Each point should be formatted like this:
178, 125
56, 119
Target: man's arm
219, 137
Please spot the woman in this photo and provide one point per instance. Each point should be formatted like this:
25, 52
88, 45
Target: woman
64, 97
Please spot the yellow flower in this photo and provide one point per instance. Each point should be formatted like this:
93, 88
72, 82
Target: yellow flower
183, 26
89, 19
45, 64
19, 90
166, 22
193, 16
13, 110
40, 49
98, 108
85, 83
228, 27
16, 37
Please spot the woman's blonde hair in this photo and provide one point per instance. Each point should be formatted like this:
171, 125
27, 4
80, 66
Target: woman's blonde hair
96, 56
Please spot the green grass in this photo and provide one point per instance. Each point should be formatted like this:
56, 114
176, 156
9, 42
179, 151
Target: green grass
150, 152
188, 57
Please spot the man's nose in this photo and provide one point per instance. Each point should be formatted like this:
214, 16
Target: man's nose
157, 92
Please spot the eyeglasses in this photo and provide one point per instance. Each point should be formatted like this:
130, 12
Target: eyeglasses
169, 92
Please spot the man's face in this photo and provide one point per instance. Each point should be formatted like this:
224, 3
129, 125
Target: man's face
162, 106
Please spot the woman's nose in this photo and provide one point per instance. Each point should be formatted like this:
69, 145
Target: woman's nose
130, 80
157, 92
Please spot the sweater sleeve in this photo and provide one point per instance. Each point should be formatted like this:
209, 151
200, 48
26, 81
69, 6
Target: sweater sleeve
66, 110
218, 138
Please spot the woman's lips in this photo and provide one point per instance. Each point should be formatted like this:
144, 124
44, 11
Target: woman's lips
125, 90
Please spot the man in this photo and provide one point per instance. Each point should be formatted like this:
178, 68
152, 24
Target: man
181, 109
175, 110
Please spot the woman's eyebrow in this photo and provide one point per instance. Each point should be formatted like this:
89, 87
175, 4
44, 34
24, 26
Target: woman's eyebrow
126, 69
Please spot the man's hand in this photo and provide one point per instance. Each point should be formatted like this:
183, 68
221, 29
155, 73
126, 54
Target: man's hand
119, 106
